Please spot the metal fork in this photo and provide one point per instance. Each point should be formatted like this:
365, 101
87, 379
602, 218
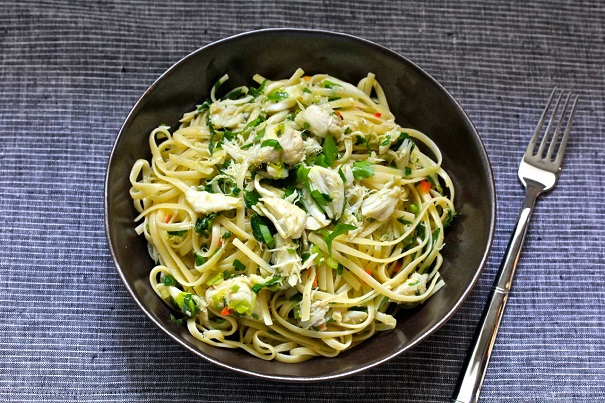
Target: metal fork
538, 172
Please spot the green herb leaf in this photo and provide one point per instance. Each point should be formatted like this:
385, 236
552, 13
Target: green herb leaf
267, 237
260, 230
177, 233
296, 297
253, 123
360, 140
420, 231
211, 144
330, 150
257, 287
186, 302
202, 225
277, 96
251, 198
239, 266
180, 321
434, 181
227, 234
199, 259
233, 94
450, 217
338, 230
257, 91
301, 173
342, 174
272, 143
329, 84
215, 280
402, 221
259, 135
435, 234
321, 161
168, 280
386, 141
204, 107
397, 143
321, 199
363, 169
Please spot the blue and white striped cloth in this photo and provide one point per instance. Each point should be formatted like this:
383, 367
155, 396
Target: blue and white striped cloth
70, 72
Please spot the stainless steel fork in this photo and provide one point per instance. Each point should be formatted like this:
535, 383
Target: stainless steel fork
538, 172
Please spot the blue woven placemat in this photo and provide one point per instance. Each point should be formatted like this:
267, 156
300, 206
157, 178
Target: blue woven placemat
71, 71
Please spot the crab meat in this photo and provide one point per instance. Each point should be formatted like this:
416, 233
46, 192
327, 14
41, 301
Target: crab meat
286, 260
289, 220
234, 294
380, 205
204, 202
320, 121
328, 183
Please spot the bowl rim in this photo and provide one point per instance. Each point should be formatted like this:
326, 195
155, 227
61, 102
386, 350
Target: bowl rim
456, 306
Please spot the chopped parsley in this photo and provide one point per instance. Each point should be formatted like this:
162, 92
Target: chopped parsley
272, 143
251, 198
238, 266
277, 96
338, 230
168, 280
261, 230
363, 169
273, 281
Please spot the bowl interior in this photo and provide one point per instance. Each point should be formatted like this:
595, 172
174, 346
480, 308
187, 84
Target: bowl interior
417, 101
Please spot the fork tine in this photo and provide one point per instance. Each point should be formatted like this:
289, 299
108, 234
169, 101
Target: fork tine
561, 151
534, 138
547, 132
555, 136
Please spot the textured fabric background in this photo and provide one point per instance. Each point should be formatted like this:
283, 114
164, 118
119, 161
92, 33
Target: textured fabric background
70, 72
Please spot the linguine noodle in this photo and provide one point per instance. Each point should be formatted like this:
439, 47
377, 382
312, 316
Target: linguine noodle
289, 219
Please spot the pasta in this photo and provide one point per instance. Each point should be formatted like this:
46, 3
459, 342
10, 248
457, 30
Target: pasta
290, 219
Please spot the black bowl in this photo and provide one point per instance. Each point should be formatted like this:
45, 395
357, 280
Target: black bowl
417, 101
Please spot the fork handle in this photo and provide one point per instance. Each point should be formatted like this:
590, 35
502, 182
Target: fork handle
471, 378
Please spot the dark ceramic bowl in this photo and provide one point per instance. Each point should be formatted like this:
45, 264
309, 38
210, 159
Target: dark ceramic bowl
416, 99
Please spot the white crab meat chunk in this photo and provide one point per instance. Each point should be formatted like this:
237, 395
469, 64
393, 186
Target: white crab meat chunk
289, 219
317, 316
414, 285
320, 121
235, 294
286, 260
343, 315
380, 205
264, 155
224, 115
312, 147
330, 187
354, 317
316, 218
388, 139
205, 202
292, 145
